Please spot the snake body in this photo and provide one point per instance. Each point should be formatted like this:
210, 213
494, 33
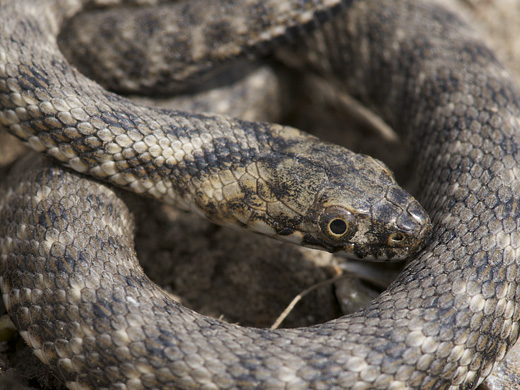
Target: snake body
99, 323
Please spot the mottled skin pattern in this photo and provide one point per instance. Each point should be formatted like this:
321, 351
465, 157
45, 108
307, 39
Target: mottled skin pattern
442, 325
171, 47
225, 169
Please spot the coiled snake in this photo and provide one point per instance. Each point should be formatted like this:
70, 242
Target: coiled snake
99, 323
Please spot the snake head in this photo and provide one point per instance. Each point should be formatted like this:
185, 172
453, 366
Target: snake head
329, 198
383, 226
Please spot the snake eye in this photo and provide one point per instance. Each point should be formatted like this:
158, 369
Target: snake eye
337, 224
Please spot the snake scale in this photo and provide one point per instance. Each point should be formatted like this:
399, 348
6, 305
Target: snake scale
99, 323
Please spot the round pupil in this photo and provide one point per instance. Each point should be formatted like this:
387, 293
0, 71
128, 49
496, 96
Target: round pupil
338, 226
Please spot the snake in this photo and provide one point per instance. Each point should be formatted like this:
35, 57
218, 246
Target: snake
98, 322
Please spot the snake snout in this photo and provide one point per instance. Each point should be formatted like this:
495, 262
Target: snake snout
419, 224
410, 232
398, 227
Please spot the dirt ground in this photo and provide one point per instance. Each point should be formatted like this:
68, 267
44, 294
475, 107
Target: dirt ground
241, 277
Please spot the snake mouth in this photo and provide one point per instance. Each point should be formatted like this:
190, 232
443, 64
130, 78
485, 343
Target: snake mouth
396, 246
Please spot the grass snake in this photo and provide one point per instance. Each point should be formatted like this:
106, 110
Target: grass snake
99, 322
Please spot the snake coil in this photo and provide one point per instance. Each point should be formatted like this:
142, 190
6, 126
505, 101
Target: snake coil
99, 323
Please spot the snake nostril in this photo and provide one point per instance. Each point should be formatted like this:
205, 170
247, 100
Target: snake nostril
396, 238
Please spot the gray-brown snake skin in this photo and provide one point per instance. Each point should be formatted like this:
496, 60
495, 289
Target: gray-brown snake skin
442, 325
